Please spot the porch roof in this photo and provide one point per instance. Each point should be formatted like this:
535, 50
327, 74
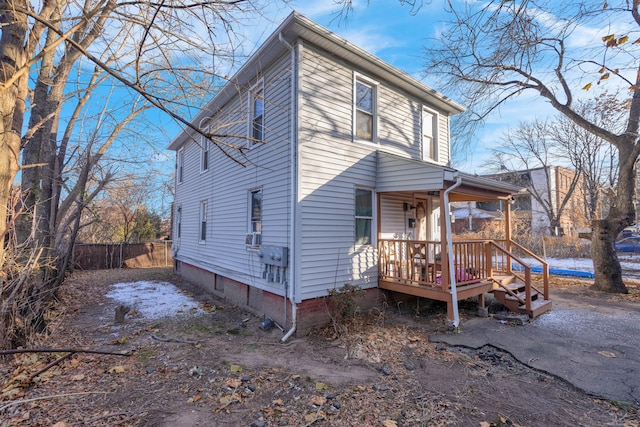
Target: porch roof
401, 174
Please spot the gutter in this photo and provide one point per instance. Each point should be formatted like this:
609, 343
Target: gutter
294, 193
452, 271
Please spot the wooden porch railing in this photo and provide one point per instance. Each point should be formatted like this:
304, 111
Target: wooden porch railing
412, 262
417, 263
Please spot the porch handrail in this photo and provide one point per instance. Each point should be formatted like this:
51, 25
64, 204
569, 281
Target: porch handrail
545, 267
527, 272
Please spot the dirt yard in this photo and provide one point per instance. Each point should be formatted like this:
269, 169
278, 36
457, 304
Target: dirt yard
212, 365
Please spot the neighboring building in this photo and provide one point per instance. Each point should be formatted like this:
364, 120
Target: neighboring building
551, 185
469, 218
345, 181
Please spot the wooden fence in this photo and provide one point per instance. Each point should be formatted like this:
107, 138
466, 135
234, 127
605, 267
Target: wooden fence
119, 255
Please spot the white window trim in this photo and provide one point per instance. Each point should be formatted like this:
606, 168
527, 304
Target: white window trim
259, 86
436, 135
204, 208
180, 166
357, 77
374, 215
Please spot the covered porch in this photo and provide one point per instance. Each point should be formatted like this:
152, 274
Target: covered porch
418, 255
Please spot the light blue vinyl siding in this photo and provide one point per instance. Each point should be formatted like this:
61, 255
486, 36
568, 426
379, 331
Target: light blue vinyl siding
227, 184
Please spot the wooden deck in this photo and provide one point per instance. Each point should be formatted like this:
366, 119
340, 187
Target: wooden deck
415, 267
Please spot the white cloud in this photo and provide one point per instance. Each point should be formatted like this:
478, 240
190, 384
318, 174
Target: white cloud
371, 39
315, 9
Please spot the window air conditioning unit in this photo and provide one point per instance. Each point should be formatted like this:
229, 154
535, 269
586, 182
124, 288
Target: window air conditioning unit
254, 239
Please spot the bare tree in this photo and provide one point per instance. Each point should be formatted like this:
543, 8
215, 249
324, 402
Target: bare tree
593, 157
117, 214
493, 52
534, 146
168, 56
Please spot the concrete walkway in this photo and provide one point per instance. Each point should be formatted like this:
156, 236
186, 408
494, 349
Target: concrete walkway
594, 345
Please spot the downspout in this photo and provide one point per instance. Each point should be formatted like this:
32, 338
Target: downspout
452, 271
293, 135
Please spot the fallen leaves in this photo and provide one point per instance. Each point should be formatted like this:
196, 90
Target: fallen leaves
284, 394
312, 417
227, 400
236, 395
120, 341
118, 369
318, 400
233, 383
194, 398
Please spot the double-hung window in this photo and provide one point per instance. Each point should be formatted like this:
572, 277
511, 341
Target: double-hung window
180, 166
364, 105
364, 216
179, 222
203, 221
256, 114
429, 135
204, 155
254, 237
255, 211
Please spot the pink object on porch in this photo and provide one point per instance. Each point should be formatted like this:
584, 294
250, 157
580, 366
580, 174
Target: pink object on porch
461, 276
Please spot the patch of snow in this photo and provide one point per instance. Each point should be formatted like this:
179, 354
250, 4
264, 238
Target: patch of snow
630, 264
153, 300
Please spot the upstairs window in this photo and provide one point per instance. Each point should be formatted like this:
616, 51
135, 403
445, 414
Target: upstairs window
364, 216
204, 155
203, 221
429, 135
364, 103
180, 166
256, 122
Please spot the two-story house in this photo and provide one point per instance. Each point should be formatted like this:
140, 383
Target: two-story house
343, 178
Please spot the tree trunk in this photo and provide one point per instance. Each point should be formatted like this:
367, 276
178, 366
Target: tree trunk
554, 226
12, 105
605, 259
621, 214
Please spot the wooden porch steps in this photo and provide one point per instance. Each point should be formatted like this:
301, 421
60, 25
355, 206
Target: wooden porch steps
538, 307
512, 295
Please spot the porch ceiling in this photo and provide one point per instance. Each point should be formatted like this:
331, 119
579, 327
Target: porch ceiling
400, 174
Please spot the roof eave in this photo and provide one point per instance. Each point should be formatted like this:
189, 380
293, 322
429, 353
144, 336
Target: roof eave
490, 184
